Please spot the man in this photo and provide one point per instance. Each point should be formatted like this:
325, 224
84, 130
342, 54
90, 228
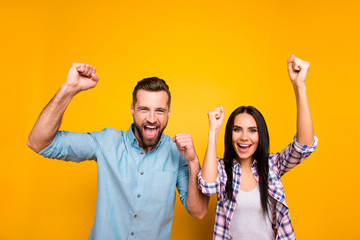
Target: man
138, 170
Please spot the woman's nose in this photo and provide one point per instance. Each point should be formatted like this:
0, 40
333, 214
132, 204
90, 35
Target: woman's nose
243, 136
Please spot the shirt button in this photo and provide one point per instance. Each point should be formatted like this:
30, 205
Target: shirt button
142, 152
139, 196
135, 216
142, 173
132, 234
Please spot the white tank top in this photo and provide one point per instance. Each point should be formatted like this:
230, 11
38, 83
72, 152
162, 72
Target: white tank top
248, 221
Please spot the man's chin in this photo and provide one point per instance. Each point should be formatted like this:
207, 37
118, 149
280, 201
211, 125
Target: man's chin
151, 142
146, 141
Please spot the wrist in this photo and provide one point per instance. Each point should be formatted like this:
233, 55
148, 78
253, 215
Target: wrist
192, 159
194, 165
299, 87
68, 90
214, 132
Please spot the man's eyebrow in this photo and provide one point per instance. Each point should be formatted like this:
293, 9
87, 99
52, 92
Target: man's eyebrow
142, 107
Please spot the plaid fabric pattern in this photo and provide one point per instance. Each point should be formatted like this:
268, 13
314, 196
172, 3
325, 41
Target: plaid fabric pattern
279, 164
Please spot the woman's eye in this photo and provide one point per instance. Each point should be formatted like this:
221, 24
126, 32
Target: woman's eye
253, 130
236, 130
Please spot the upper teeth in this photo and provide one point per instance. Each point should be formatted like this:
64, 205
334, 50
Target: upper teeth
151, 126
241, 145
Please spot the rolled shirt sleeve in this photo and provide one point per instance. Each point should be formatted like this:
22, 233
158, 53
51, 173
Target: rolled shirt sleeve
213, 187
292, 155
182, 181
71, 146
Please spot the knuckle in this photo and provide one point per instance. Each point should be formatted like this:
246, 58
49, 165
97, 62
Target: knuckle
75, 64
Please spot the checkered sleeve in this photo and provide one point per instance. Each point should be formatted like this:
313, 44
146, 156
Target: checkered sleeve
292, 155
213, 187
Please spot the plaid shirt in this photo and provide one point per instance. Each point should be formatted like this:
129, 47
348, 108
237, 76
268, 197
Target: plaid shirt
279, 164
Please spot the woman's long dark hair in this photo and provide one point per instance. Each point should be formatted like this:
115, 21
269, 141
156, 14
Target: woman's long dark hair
261, 154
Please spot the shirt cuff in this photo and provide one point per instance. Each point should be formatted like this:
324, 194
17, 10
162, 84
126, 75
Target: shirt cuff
51, 151
305, 149
208, 188
46, 152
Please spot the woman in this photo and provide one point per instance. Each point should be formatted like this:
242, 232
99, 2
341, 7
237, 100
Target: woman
251, 202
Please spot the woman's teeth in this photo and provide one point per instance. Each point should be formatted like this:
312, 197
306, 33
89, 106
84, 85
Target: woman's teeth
244, 146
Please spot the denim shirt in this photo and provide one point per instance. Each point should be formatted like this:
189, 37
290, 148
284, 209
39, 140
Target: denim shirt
136, 191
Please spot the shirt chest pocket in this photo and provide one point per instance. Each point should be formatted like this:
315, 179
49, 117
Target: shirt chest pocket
163, 185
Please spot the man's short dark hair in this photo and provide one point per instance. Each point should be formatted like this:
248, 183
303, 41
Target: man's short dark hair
152, 84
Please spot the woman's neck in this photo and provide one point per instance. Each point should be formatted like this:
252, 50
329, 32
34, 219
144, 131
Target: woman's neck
245, 163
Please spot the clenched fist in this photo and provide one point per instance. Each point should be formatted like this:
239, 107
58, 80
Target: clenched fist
81, 77
216, 118
185, 146
298, 70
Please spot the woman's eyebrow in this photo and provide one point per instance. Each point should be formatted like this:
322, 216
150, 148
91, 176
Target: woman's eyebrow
241, 127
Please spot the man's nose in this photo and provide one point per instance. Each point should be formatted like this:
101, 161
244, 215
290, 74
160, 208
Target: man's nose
151, 117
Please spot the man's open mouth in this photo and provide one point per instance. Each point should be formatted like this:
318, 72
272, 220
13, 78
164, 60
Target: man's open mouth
150, 130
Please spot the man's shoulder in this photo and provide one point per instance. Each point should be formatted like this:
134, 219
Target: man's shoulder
108, 133
111, 130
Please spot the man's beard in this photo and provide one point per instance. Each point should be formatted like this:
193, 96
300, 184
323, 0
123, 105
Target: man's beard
146, 142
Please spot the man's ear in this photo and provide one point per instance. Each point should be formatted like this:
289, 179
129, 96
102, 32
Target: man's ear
169, 112
132, 109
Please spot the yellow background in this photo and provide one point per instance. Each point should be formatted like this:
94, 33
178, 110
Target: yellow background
209, 52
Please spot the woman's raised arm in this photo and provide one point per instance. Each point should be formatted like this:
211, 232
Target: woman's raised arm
298, 70
209, 169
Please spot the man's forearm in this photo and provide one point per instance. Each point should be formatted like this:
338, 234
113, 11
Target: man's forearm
197, 203
48, 123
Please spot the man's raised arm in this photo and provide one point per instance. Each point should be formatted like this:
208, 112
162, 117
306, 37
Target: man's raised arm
81, 77
197, 203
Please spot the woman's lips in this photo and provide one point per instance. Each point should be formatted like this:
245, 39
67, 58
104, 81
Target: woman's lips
244, 147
